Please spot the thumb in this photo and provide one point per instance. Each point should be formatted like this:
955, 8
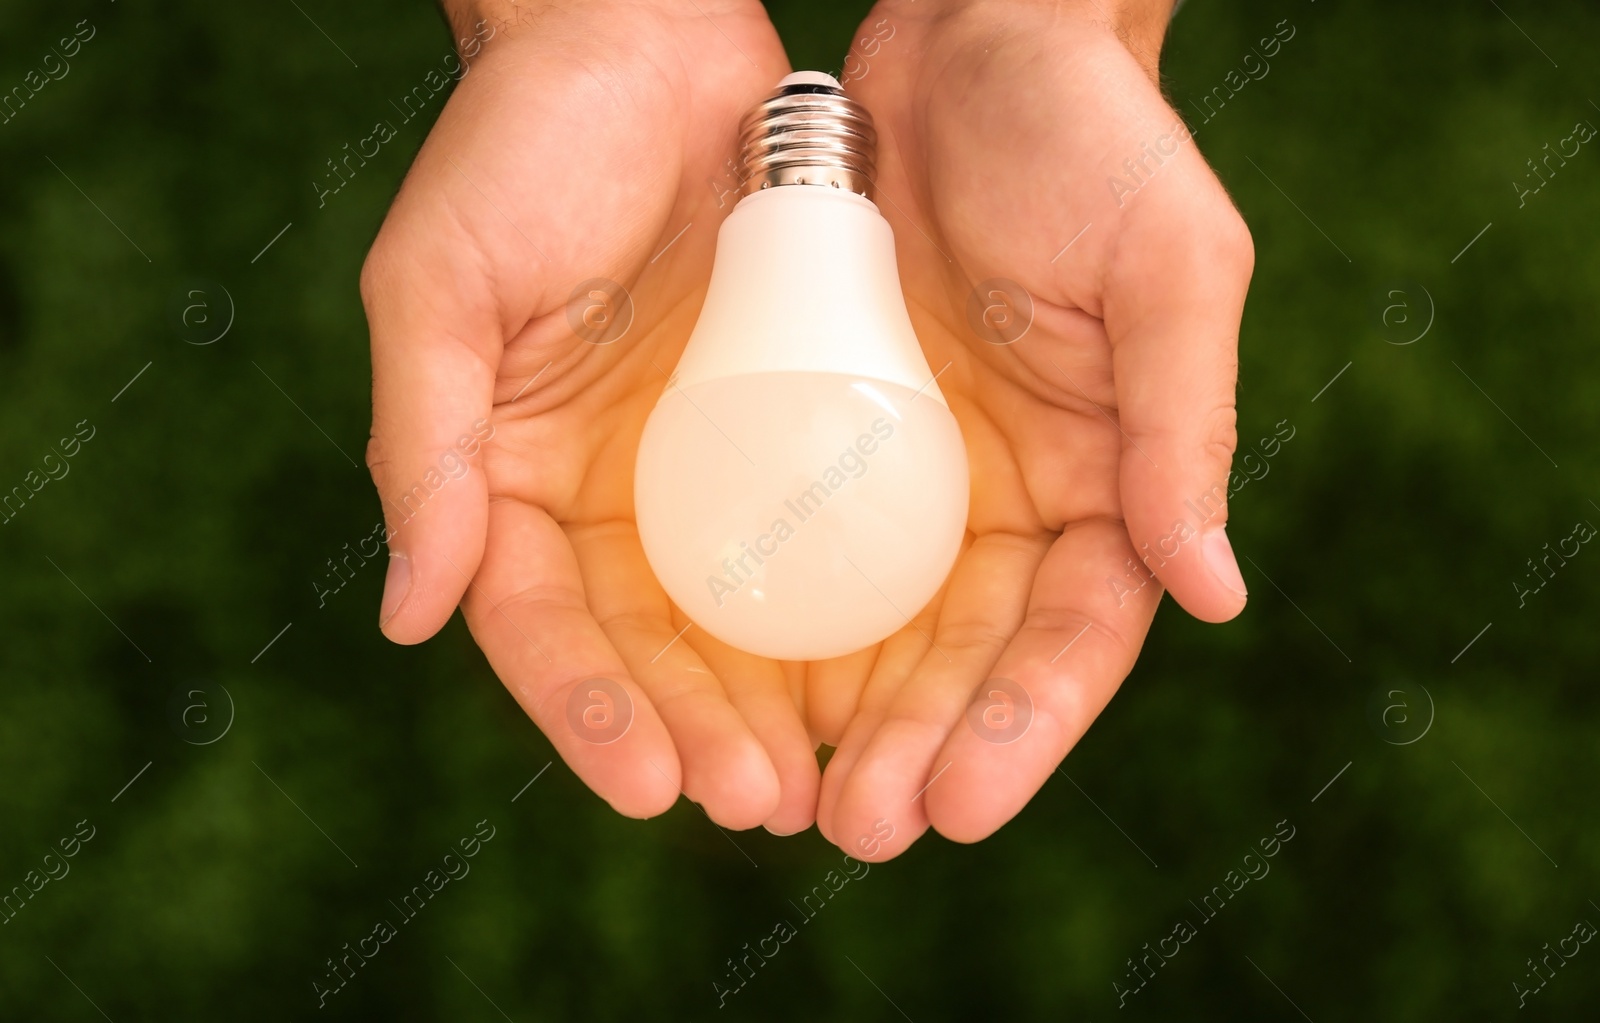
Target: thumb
1174, 299
435, 345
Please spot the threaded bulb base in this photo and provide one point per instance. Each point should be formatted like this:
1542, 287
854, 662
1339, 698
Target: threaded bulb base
808, 132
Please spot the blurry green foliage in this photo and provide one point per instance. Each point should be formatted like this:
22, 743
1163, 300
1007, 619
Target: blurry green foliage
1390, 531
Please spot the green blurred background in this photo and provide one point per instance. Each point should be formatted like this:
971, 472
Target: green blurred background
1387, 534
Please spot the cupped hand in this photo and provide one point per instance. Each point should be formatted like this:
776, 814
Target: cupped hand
1026, 156
582, 144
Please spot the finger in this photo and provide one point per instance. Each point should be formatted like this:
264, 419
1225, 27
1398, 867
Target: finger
897, 658
1086, 621
526, 610
895, 662
833, 690
759, 690
893, 665
1174, 296
725, 768
899, 762
435, 346
794, 676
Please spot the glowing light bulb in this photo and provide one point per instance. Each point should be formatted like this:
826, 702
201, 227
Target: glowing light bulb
801, 488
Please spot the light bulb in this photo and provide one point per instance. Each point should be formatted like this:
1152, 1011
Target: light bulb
801, 487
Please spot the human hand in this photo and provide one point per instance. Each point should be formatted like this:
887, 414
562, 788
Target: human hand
578, 146
1100, 440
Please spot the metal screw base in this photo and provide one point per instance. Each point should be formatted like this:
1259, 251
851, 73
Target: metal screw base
807, 132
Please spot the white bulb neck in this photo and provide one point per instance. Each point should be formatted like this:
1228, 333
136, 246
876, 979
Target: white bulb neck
805, 280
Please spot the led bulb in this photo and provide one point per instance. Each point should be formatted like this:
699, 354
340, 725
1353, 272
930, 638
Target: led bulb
801, 488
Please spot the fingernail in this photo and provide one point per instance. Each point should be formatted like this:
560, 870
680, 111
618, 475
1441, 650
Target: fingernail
1219, 558
396, 584
783, 834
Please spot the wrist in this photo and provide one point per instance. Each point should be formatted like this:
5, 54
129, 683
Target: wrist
478, 19
1141, 25
481, 19
474, 22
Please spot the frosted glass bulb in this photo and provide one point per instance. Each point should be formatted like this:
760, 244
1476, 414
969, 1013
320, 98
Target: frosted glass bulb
801, 487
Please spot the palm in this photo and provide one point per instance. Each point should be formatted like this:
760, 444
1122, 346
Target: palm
593, 152
993, 167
